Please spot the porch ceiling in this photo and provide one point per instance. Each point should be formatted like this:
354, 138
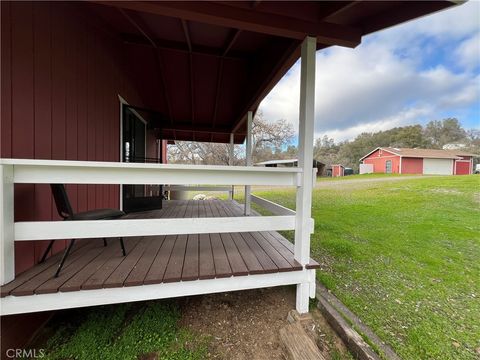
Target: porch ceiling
203, 65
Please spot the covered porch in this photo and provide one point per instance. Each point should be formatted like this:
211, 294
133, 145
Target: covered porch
201, 70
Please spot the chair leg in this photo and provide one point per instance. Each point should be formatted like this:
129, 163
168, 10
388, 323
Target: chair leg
123, 247
47, 250
104, 242
64, 257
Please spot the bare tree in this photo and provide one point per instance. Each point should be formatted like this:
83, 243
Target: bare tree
269, 141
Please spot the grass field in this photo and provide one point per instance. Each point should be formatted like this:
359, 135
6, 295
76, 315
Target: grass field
405, 257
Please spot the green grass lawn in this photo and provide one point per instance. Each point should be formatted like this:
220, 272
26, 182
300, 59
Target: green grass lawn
405, 257
145, 330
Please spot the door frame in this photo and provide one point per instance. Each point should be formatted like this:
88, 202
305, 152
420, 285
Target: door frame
122, 103
386, 166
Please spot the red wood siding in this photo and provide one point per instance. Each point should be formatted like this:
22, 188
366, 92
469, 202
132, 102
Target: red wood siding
337, 170
379, 158
412, 166
463, 167
61, 72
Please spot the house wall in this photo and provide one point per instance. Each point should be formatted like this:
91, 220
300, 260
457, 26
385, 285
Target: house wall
61, 76
412, 165
61, 73
379, 158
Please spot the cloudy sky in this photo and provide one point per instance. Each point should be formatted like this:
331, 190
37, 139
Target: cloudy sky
410, 74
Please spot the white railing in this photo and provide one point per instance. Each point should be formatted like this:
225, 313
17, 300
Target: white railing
228, 189
274, 208
20, 171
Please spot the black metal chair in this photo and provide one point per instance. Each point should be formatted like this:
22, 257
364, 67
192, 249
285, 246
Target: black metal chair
66, 212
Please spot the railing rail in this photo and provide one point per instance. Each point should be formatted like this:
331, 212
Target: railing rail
23, 171
274, 208
89, 172
197, 188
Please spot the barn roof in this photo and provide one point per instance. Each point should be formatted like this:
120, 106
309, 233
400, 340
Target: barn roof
203, 65
285, 161
273, 162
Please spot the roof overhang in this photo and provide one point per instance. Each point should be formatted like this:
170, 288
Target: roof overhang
204, 65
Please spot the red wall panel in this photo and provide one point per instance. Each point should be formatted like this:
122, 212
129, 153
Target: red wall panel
412, 166
6, 81
379, 158
462, 167
337, 170
61, 74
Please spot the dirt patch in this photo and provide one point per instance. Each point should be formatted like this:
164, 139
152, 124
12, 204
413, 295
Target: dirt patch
476, 197
446, 191
245, 325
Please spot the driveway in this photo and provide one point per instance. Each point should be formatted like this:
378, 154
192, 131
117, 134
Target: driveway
334, 184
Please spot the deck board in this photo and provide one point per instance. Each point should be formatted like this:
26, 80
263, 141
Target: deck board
157, 270
157, 259
76, 281
175, 264
206, 265
220, 259
267, 264
98, 278
234, 258
123, 270
190, 266
140, 270
249, 258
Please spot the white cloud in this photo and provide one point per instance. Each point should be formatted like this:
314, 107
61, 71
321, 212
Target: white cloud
468, 52
384, 82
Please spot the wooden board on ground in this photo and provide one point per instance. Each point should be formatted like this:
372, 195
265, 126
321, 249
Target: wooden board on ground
297, 344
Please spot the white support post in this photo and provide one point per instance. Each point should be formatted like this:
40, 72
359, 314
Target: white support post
248, 157
230, 162
7, 245
305, 161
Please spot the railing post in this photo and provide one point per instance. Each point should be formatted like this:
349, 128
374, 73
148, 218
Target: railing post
7, 245
305, 161
248, 158
231, 154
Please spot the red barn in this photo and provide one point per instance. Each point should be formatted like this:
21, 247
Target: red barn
419, 161
338, 170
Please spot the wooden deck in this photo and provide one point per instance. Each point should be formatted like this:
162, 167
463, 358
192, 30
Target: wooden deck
162, 259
